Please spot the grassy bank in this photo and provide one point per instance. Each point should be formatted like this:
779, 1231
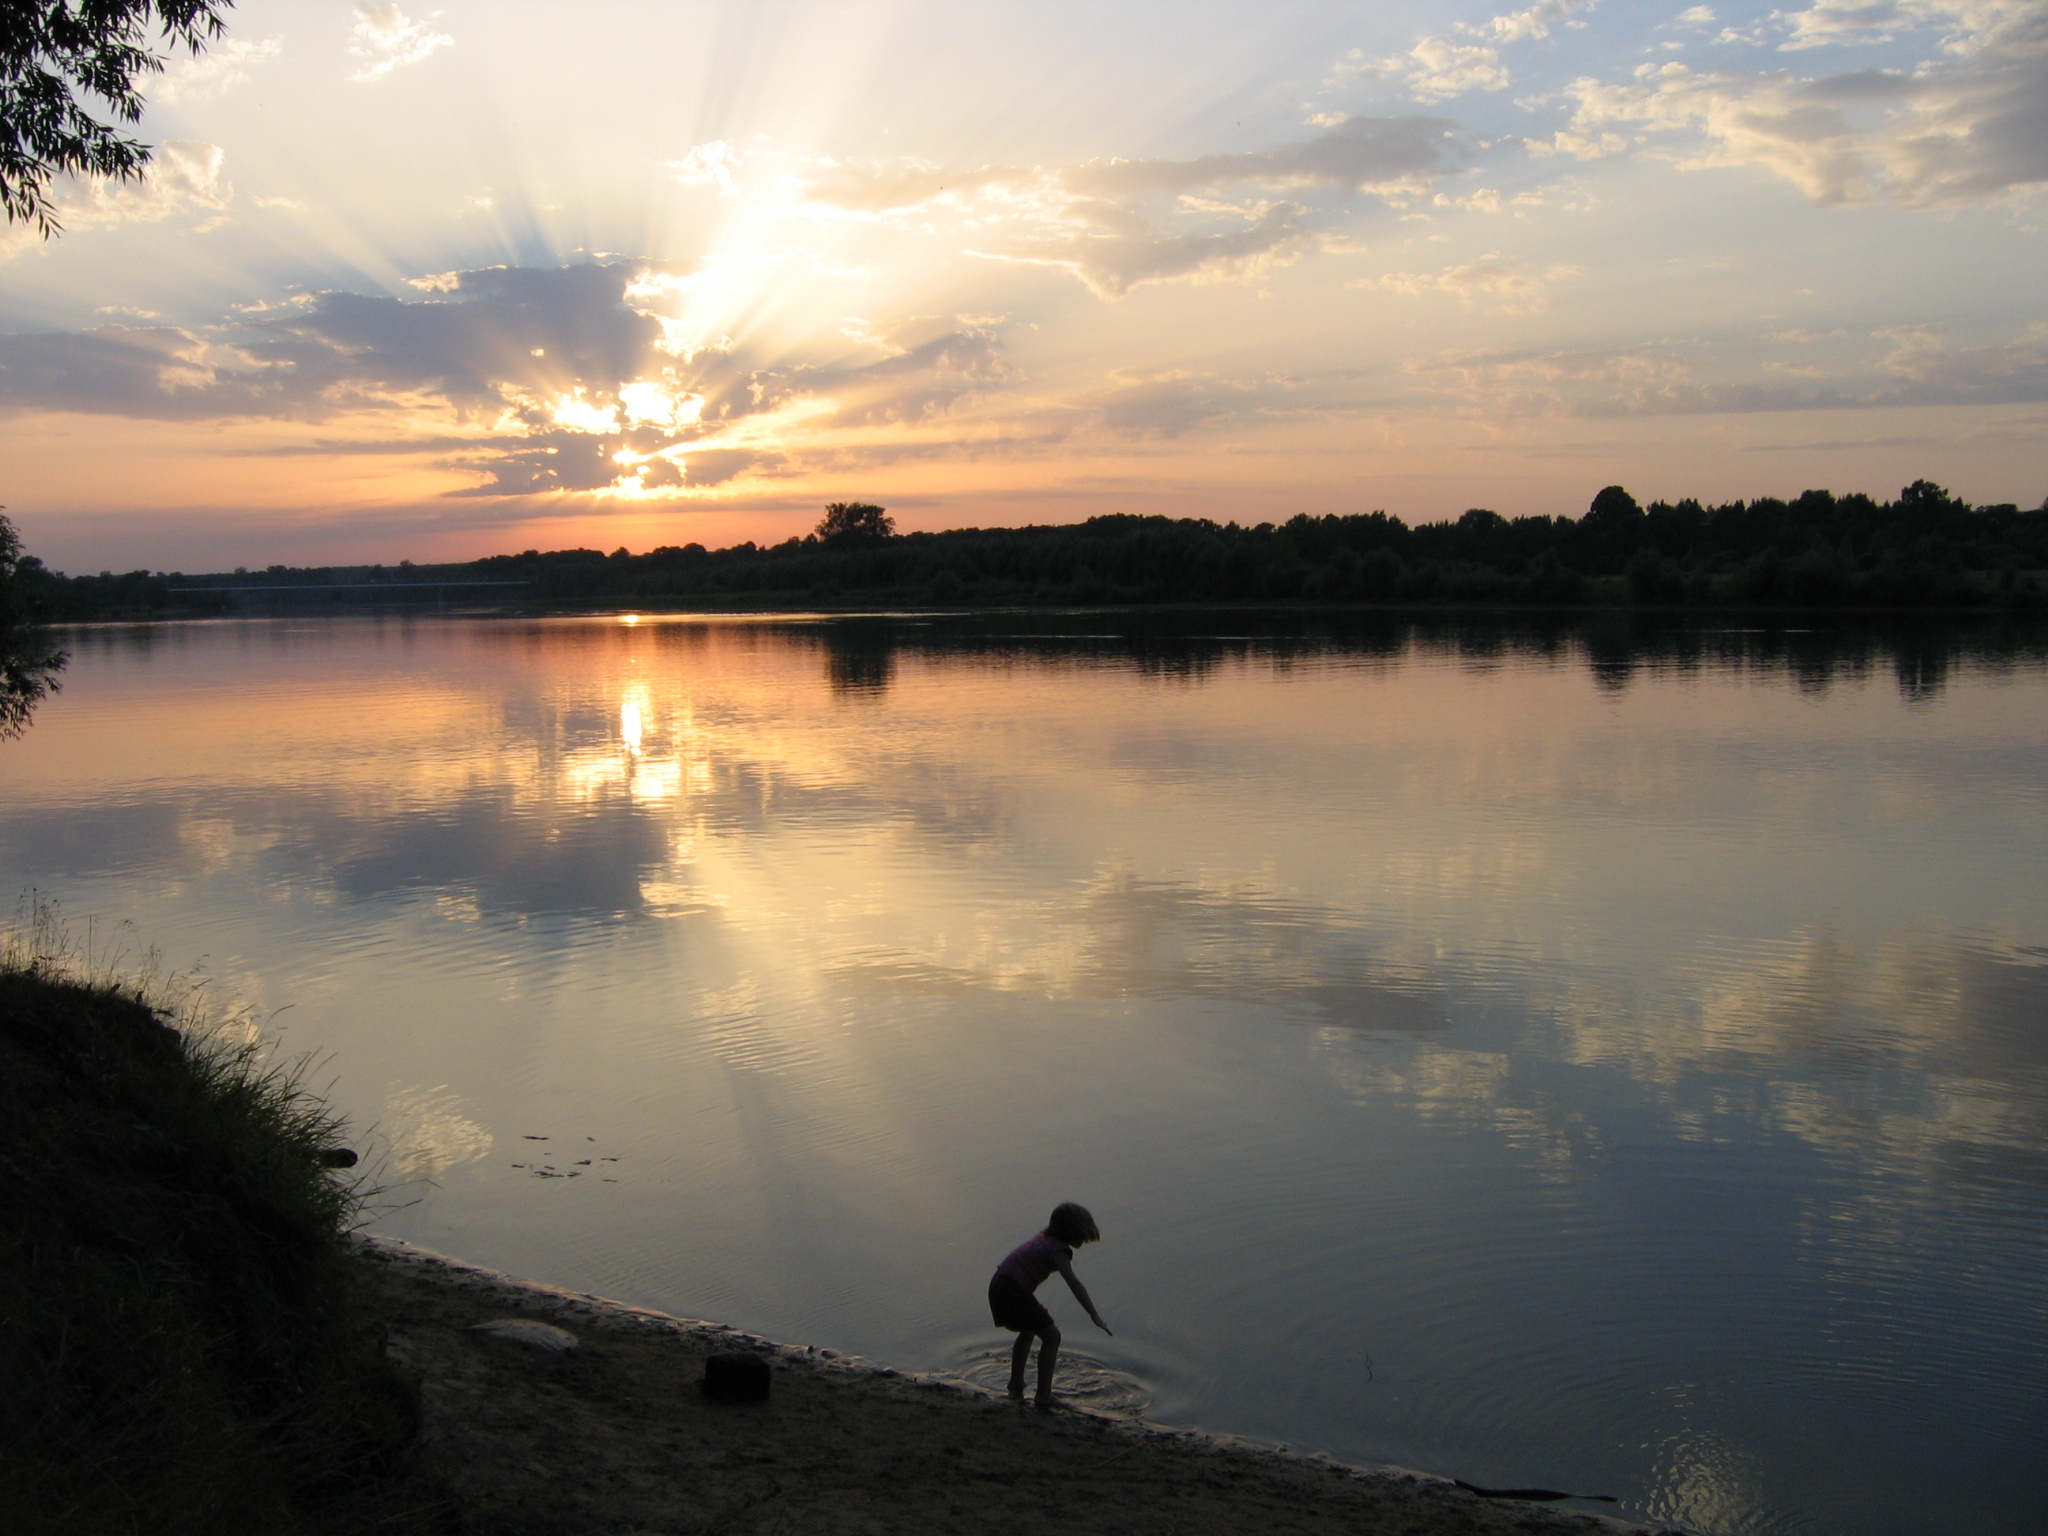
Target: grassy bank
183, 1338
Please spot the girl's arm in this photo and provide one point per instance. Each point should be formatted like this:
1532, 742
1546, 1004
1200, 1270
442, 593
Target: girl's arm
1081, 1294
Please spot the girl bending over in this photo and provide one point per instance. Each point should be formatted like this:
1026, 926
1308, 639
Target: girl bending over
1013, 1306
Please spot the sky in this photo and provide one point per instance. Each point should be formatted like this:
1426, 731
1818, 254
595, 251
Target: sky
434, 283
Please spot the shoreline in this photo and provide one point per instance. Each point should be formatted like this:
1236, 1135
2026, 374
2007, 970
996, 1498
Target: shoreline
1842, 615
612, 1435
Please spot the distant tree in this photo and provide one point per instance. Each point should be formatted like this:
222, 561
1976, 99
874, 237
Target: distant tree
57, 57
855, 522
1613, 507
1925, 493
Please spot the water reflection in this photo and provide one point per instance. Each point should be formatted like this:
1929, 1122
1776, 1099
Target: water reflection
1615, 649
1631, 1036
860, 656
861, 653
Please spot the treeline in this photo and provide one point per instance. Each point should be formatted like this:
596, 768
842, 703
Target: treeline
1926, 549
55, 598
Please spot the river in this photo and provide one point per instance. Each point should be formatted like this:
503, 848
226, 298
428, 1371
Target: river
1613, 1059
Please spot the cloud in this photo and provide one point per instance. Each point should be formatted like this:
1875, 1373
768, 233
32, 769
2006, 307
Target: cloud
1438, 68
1357, 154
1120, 254
182, 179
1919, 369
933, 362
385, 38
1360, 154
194, 80
560, 379
1119, 224
1929, 371
1173, 402
1512, 286
1968, 126
112, 370
707, 165
1833, 23
715, 466
1536, 21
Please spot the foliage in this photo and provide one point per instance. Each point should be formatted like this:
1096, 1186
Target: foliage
183, 1348
55, 57
29, 663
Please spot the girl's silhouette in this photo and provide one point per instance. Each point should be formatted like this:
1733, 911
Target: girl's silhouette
1013, 1306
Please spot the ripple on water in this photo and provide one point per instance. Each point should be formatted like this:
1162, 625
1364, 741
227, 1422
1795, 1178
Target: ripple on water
1083, 1382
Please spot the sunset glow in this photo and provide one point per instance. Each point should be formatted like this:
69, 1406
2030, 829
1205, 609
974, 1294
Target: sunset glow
505, 277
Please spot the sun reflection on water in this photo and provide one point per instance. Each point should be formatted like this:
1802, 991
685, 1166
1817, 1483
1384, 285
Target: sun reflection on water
1565, 1045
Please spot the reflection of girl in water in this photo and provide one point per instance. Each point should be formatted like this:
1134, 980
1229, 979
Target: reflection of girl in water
1014, 1307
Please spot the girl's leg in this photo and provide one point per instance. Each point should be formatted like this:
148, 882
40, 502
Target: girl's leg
1020, 1356
1048, 1360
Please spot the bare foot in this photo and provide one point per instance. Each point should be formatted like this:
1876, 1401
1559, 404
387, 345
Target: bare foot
1045, 1402
1016, 1391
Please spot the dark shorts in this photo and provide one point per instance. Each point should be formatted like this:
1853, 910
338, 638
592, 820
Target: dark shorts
1015, 1308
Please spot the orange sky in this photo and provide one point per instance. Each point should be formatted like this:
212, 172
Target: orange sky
432, 286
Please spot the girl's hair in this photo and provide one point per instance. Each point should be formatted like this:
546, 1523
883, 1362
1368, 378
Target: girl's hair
1071, 1224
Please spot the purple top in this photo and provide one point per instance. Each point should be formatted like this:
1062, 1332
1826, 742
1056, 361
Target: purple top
1033, 1259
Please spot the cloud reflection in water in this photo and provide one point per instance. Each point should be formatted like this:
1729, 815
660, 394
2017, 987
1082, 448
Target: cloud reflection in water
1633, 1037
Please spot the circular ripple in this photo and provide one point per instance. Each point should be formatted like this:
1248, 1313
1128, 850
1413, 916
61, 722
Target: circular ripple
1082, 1382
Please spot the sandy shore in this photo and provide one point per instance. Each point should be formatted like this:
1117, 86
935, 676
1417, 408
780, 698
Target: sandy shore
614, 1438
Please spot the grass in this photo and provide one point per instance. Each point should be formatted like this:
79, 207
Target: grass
183, 1347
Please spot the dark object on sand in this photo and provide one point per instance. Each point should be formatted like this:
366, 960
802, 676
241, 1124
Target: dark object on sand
337, 1157
1535, 1495
736, 1378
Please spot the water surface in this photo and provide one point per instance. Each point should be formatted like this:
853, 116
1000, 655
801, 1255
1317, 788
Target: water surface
1608, 1060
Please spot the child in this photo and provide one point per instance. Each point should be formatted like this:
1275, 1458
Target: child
1014, 1307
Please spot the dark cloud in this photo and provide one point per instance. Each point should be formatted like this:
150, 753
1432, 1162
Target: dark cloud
478, 340
115, 370
1357, 155
546, 461
503, 347
715, 466
546, 331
